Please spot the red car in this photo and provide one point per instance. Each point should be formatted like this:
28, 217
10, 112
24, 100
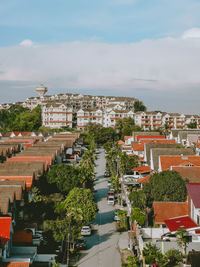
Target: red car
110, 193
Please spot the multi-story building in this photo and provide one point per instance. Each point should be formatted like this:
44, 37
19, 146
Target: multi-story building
57, 116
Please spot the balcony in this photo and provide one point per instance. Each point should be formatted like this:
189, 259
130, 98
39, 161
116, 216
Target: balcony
147, 119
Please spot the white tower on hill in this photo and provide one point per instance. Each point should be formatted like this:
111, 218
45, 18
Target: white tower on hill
41, 90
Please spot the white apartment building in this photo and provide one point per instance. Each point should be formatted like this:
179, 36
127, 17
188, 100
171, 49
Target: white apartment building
57, 116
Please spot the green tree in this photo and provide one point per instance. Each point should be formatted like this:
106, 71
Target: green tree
64, 176
133, 261
192, 125
139, 106
28, 120
137, 198
153, 255
138, 216
125, 127
182, 239
122, 214
127, 163
79, 201
165, 186
174, 256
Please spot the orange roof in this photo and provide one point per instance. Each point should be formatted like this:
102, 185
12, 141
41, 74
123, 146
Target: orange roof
138, 137
121, 143
144, 179
138, 147
5, 224
142, 169
168, 161
15, 264
27, 179
191, 173
156, 141
166, 210
127, 137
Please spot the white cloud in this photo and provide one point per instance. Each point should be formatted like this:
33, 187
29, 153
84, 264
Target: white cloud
165, 65
27, 43
191, 33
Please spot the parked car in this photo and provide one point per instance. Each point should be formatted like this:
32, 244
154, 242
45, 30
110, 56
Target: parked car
111, 200
86, 230
106, 174
79, 244
168, 237
109, 183
110, 193
97, 151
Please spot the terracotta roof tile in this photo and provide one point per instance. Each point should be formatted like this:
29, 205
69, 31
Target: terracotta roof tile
121, 143
182, 222
142, 169
166, 210
144, 180
127, 137
168, 161
158, 141
138, 137
190, 173
138, 147
15, 264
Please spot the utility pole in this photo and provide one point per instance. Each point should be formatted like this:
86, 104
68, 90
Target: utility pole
68, 247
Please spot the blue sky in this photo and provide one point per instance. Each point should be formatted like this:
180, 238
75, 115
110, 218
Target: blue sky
147, 49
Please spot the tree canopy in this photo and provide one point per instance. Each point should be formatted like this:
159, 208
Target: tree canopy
125, 127
17, 118
139, 106
165, 186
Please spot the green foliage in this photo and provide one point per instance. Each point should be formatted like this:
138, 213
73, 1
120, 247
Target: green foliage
133, 261
192, 125
139, 106
182, 239
138, 216
64, 176
80, 202
165, 186
127, 163
137, 198
122, 214
174, 256
28, 120
153, 255
125, 127
75, 211
115, 183
101, 134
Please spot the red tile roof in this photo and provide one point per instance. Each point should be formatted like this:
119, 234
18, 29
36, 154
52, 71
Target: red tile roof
168, 161
142, 169
5, 225
194, 192
190, 173
15, 264
144, 179
183, 222
138, 137
121, 143
166, 210
138, 147
27, 179
161, 141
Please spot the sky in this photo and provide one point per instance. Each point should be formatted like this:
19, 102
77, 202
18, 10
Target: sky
139, 48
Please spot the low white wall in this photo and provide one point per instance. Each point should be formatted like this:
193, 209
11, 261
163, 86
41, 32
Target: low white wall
153, 232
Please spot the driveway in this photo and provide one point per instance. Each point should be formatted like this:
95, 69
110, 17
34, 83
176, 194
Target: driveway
102, 244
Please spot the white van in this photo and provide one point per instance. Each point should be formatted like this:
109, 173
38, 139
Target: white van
111, 200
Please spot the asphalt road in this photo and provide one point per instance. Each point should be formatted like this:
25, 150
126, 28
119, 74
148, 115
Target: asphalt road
102, 245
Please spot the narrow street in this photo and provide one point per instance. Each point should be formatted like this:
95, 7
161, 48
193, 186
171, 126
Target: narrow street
102, 244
